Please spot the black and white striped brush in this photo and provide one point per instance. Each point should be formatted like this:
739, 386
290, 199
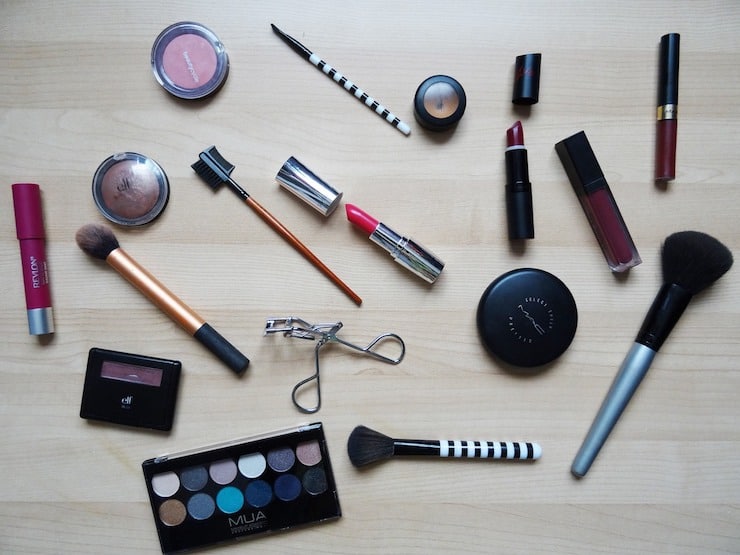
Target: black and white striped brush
366, 446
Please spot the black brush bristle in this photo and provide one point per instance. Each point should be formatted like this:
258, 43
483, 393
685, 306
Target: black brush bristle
366, 446
96, 240
694, 260
213, 168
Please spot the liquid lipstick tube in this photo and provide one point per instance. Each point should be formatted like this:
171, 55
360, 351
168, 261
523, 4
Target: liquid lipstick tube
667, 126
597, 201
519, 210
404, 250
29, 226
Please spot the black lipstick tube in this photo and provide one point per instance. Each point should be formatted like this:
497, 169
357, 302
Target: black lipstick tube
519, 211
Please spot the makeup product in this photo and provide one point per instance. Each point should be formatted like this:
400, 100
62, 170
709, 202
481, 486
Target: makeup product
527, 317
519, 211
29, 228
527, 79
439, 103
691, 262
366, 446
215, 171
99, 242
404, 250
132, 390
241, 489
309, 187
189, 60
596, 198
324, 334
343, 81
130, 189
667, 126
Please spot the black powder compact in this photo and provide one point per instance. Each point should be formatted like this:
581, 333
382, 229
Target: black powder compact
527, 317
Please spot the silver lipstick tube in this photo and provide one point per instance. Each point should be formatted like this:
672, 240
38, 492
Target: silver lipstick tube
408, 253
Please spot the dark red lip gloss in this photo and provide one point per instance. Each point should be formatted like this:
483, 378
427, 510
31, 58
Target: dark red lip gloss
667, 126
597, 201
519, 210
29, 225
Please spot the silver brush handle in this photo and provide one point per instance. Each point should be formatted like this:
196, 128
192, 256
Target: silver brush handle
630, 374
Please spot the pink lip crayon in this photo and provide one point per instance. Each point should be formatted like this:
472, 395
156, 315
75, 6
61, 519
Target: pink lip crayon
404, 250
29, 226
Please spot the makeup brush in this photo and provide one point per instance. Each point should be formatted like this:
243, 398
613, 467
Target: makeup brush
691, 262
99, 242
215, 170
367, 446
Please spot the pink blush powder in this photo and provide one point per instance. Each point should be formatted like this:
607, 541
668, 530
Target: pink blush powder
189, 61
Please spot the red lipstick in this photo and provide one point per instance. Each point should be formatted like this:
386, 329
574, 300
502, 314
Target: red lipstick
597, 202
404, 250
29, 226
519, 211
667, 126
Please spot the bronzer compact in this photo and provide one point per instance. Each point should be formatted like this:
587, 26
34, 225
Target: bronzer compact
241, 489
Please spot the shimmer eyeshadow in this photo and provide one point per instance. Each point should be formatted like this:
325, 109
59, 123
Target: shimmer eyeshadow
248, 487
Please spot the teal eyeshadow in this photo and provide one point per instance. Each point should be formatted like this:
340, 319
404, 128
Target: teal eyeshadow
230, 500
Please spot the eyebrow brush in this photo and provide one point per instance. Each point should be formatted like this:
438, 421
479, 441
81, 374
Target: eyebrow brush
366, 446
99, 242
215, 170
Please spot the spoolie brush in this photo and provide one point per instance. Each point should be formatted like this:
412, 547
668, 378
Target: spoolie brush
215, 171
99, 242
366, 446
692, 261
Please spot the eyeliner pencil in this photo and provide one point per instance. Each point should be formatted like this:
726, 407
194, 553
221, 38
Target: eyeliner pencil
343, 81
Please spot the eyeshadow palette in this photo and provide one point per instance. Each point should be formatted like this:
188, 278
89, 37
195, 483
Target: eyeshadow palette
243, 488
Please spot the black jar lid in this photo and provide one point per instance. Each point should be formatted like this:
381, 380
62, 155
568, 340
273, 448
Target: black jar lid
527, 317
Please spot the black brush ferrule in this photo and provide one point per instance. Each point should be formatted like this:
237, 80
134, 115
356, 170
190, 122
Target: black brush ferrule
404, 447
667, 308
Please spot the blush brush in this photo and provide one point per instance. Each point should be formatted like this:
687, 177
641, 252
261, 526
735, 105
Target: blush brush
691, 262
366, 446
99, 242
215, 171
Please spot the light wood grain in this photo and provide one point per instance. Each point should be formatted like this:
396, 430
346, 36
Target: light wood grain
75, 87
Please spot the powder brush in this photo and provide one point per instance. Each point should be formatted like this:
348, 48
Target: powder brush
366, 446
99, 242
691, 262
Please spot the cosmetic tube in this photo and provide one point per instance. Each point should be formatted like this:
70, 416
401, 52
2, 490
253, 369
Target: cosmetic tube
667, 124
597, 201
29, 225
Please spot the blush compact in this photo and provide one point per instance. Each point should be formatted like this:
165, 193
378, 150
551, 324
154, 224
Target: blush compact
527, 317
130, 189
129, 389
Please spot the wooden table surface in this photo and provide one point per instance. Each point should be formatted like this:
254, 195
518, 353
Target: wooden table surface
76, 86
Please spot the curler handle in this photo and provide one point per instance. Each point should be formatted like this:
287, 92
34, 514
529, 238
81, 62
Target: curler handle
219, 346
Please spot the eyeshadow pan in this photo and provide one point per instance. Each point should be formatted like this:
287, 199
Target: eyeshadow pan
242, 488
258, 494
309, 453
172, 512
252, 465
166, 484
281, 459
287, 487
230, 500
223, 472
201, 506
194, 478
314, 480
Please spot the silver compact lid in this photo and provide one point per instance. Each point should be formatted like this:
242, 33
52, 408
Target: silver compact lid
309, 187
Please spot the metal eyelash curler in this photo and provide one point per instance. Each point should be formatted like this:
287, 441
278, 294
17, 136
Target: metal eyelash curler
326, 333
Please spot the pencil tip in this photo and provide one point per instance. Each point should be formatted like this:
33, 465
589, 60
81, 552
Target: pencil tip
275, 29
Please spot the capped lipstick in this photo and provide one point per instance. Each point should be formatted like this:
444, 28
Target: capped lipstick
404, 250
667, 126
519, 210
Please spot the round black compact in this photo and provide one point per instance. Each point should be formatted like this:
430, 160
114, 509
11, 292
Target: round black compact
527, 317
439, 103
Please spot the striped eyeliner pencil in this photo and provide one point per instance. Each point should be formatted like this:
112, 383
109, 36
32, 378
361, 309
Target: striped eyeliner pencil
344, 82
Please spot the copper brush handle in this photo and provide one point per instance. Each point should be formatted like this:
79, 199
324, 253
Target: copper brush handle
177, 310
285, 233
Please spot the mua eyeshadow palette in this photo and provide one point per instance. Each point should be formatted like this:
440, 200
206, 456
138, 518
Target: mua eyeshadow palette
241, 489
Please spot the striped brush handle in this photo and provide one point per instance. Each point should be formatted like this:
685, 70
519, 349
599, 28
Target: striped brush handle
512, 450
